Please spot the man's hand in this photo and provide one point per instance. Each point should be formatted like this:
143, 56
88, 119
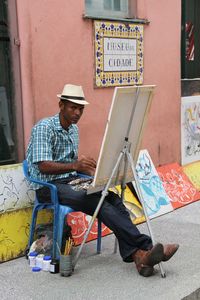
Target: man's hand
85, 165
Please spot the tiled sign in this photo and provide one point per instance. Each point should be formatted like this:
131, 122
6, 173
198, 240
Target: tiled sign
118, 54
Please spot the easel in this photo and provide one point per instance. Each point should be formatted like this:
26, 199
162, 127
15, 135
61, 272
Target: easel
128, 162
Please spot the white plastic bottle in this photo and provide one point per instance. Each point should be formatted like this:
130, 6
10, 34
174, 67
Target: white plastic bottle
46, 263
39, 260
32, 259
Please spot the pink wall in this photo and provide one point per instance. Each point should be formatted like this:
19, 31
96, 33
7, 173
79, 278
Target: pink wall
57, 48
162, 68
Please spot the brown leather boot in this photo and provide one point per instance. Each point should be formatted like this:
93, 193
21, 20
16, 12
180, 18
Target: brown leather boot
145, 260
169, 251
150, 257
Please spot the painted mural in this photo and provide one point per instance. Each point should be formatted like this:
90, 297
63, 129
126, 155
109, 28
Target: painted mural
177, 185
14, 231
190, 129
15, 192
155, 198
17, 199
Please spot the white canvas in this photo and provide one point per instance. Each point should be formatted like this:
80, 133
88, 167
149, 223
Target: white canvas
154, 195
190, 129
125, 101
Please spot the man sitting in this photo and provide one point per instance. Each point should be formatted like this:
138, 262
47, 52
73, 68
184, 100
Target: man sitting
52, 156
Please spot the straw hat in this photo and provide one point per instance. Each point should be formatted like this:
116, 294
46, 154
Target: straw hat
73, 93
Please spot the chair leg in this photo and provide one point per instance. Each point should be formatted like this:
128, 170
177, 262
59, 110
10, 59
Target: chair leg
55, 231
99, 238
60, 224
32, 226
115, 245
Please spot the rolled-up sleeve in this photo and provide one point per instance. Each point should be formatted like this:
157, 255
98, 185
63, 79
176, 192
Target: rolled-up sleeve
42, 145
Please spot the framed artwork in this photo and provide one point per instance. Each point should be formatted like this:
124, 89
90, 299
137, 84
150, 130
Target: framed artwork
178, 186
192, 172
118, 54
155, 198
190, 129
79, 223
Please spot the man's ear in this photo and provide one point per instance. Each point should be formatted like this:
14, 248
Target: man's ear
61, 105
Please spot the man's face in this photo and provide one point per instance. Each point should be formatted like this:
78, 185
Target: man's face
70, 112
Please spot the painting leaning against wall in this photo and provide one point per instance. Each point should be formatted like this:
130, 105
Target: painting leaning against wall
155, 198
190, 129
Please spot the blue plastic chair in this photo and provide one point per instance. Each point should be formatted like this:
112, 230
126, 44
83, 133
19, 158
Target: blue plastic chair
59, 213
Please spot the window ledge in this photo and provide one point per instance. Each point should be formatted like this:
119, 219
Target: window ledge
127, 20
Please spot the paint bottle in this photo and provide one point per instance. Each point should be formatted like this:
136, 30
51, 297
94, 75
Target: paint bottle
32, 258
39, 260
46, 263
54, 266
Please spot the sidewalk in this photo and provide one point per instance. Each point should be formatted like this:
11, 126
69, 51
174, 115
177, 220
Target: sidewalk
105, 276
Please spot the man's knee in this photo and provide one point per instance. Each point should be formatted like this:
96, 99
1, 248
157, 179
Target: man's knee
117, 202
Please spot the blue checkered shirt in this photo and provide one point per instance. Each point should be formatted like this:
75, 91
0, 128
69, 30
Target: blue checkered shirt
51, 142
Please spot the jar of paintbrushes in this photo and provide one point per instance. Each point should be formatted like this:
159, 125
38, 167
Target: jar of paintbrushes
66, 267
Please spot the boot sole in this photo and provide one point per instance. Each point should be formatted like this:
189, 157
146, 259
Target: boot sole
146, 271
156, 255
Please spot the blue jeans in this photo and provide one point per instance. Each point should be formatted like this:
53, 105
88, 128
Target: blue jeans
112, 213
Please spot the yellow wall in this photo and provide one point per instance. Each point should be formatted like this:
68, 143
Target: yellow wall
14, 231
16, 201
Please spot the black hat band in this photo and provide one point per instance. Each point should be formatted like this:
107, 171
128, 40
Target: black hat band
71, 97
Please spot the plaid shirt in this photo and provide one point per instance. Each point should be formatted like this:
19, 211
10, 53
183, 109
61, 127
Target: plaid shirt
51, 142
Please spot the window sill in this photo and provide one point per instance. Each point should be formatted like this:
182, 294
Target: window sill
127, 20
